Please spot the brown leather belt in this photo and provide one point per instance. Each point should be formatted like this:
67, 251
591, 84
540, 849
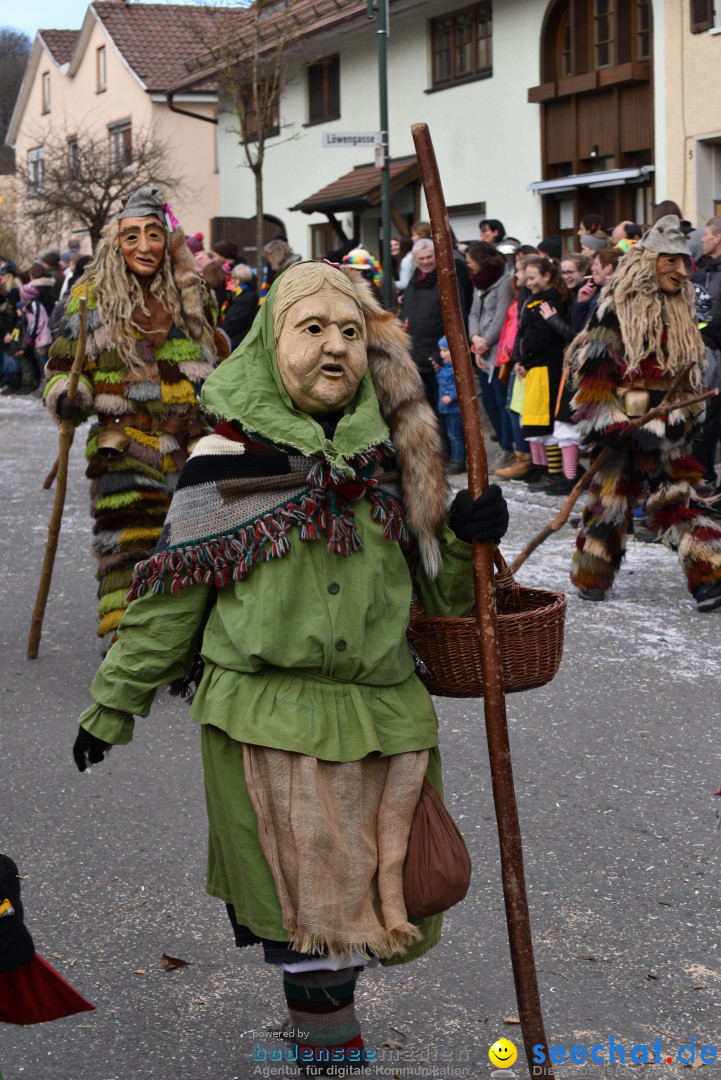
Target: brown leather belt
172, 425
649, 384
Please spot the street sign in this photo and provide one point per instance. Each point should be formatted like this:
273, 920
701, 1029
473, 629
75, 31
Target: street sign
351, 138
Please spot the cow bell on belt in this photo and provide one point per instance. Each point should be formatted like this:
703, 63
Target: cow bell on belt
112, 442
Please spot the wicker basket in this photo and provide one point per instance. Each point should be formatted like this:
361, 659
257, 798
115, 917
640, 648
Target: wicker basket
530, 629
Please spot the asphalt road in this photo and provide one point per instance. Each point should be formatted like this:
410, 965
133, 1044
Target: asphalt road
616, 762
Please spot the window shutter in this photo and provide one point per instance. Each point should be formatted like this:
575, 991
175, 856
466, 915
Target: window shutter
334, 86
316, 104
702, 15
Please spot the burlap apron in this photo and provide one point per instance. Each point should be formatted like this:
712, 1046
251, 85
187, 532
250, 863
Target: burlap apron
335, 836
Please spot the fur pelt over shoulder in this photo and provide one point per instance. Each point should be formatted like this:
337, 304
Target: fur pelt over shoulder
412, 422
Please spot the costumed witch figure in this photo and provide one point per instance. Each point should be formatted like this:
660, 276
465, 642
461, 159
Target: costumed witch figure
287, 558
150, 346
643, 333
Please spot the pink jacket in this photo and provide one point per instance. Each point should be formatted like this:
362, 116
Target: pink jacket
508, 335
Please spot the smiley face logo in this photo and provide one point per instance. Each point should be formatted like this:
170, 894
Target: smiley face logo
503, 1053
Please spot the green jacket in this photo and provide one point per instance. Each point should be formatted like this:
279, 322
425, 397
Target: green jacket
309, 653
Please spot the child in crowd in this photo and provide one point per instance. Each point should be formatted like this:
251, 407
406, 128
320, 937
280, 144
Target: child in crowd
449, 410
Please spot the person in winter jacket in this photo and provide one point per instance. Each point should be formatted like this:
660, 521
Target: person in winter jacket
586, 297
9, 318
542, 337
31, 347
45, 284
450, 410
708, 276
241, 307
492, 293
540, 343
520, 465
644, 333
422, 316
289, 559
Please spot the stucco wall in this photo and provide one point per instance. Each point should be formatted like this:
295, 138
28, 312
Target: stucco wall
486, 135
693, 114
75, 105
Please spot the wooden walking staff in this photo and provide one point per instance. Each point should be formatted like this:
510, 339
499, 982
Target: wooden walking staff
494, 701
67, 430
585, 481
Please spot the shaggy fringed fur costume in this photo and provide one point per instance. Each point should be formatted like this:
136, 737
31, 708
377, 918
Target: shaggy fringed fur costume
658, 465
148, 395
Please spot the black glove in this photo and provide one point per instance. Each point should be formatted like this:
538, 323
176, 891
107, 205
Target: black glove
67, 409
88, 750
615, 438
484, 519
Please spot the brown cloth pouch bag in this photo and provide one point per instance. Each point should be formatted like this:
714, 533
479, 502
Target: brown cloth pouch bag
437, 869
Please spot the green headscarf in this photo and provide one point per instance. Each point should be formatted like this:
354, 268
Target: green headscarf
247, 388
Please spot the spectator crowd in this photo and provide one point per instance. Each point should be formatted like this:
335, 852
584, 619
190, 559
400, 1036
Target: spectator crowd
523, 304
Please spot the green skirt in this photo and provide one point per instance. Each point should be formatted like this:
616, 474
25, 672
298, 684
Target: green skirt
237, 870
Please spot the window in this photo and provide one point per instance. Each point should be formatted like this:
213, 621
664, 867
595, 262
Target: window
603, 25
121, 144
252, 107
643, 29
100, 71
588, 35
46, 92
324, 90
462, 45
565, 50
73, 156
36, 170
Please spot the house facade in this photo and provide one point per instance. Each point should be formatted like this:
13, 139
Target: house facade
540, 111
693, 107
108, 80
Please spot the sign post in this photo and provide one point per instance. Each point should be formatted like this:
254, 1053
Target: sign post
380, 9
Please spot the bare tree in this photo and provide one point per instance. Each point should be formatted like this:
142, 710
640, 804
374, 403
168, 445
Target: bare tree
14, 52
254, 61
76, 181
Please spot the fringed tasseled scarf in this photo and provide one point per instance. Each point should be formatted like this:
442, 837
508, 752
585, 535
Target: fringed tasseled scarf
238, 499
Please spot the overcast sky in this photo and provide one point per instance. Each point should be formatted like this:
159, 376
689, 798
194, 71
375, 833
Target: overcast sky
33, 15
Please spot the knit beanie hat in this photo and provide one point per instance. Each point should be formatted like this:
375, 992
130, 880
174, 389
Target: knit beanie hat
28, 293
442, 343
50, 258
593, 243
665, 237
226, 249
195, 243
552, 246
362, 260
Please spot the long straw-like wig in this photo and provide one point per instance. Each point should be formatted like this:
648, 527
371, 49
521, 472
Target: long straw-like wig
644, 312
175, 285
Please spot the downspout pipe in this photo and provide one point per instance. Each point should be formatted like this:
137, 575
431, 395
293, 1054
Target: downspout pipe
187, 112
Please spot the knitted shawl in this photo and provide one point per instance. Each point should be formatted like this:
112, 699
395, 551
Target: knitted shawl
269, 468
238, 499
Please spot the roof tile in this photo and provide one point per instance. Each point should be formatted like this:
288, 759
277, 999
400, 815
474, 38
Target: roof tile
61, 43
360, 187
158, 39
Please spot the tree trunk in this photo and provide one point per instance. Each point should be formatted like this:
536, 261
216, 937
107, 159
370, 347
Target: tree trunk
259, 231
